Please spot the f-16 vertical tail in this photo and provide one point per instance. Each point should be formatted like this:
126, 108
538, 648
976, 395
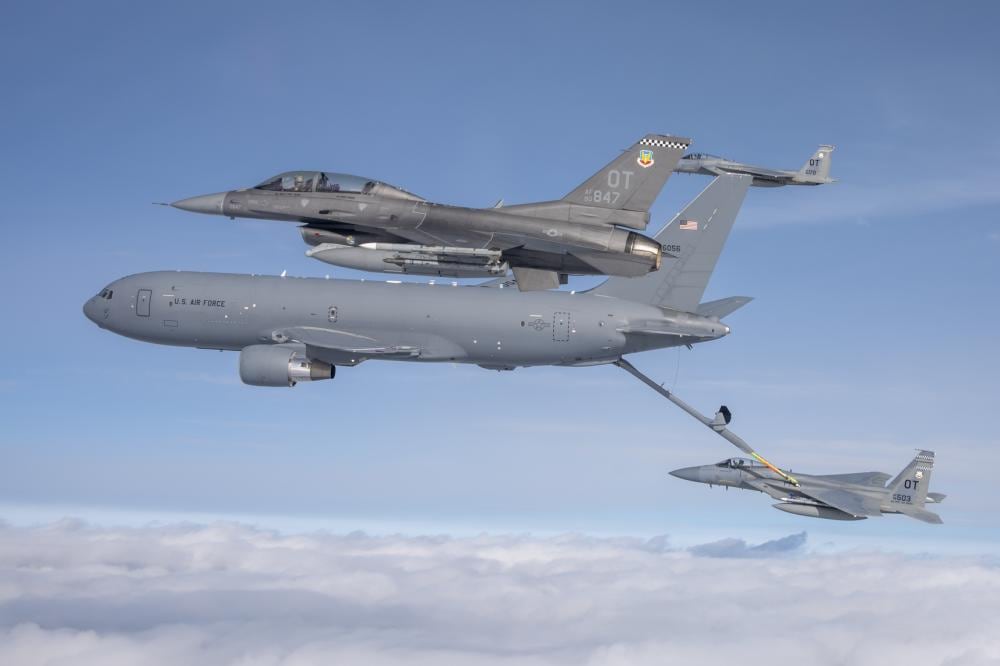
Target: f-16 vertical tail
908, 491
817, 168
692, 243
633, 180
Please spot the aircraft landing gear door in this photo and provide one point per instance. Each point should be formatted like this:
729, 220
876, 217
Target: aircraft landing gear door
142, 302
560, 327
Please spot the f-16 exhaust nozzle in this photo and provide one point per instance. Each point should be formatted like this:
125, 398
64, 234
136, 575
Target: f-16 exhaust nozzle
815, 511
643, 246
210, 204
455, 262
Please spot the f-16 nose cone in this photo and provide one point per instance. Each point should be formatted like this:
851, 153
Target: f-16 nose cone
206, 203
687, 473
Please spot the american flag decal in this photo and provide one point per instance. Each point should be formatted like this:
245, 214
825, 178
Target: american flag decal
688, 225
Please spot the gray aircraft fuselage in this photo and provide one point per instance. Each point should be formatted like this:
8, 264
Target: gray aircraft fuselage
370, 225
806, 498
816, 170
492, 327
553, 236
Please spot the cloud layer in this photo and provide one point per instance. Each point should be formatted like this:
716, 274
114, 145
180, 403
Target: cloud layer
229, 594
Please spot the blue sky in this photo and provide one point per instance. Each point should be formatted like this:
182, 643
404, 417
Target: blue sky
874, 331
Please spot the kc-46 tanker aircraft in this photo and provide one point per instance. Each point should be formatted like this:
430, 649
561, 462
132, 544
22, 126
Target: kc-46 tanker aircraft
293, 329
369, 225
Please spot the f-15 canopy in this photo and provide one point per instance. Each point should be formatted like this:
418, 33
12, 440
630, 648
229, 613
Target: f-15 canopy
702, 156
739, 463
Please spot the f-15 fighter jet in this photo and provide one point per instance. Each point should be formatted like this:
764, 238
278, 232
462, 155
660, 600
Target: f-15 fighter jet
853, 496
369, 225
816, 171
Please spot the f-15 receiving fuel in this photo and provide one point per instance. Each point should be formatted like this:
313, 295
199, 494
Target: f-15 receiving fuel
816, 170
369, 225
853, 496
299, 329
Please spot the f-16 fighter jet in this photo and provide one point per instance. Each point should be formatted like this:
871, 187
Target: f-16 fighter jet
816, 171
853, 496
369, 225
292, 329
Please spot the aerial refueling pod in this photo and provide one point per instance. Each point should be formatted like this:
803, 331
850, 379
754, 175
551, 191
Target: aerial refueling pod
281, 365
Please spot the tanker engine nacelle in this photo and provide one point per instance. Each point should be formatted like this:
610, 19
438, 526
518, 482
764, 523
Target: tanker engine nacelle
281, 365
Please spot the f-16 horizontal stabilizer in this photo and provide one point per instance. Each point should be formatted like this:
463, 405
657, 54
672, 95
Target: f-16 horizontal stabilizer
535, 279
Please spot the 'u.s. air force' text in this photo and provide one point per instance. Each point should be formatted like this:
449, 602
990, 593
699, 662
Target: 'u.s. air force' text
202, 302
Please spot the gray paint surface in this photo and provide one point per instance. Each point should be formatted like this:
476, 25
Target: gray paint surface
366, 224
853, 496
344, 322
816, 170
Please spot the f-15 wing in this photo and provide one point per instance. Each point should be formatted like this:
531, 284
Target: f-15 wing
755, 171
849, 502
844, 500
876, 479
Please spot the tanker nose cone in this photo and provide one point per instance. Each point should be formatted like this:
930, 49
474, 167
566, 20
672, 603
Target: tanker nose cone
687, 473
90, 310
206, 203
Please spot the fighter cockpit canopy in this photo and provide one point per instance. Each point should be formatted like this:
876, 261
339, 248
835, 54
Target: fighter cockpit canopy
738, 463
702, 156
325, 181
317, 181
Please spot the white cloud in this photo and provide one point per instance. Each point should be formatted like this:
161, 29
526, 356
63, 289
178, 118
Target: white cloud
229, 594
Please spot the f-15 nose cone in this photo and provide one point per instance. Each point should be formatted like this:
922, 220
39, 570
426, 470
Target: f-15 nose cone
687, 473
206, 203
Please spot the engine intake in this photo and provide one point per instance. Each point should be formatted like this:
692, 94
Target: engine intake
281, 365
